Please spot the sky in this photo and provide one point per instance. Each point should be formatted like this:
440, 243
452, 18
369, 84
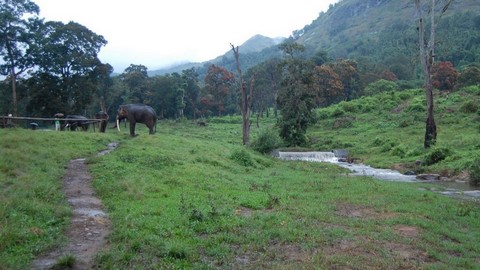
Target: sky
162, 33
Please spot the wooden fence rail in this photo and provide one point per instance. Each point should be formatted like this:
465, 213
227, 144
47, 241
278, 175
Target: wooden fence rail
6, 121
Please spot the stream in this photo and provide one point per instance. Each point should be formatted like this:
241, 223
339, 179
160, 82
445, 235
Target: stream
449, 188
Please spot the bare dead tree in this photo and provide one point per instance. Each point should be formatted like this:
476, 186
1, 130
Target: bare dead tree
427, 58
246, 100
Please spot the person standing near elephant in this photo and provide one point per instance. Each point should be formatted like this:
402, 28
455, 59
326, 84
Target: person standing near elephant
137, 113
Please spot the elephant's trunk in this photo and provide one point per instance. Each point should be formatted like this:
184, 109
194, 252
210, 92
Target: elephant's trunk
118, 124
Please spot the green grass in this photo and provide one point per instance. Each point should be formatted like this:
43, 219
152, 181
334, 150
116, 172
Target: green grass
33, 210
388, 129
192, 197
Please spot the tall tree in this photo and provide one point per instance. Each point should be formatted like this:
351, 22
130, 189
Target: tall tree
17, 19
135, 78
296, 98
192, 92
427, 58
69, 52
246, 100
217, 84
327, 85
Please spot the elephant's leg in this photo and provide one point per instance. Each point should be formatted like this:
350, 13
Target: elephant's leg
132, 128
150, 127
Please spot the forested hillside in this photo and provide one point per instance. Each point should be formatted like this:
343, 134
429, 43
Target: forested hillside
356, 48
378, 34
384, 32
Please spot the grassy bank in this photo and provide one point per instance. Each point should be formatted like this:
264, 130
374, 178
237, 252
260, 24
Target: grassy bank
192, 197
387, 130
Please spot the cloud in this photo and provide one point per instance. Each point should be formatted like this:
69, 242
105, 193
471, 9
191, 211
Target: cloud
159, 33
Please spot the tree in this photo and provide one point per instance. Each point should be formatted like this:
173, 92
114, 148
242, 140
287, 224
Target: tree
246, 100
104, 84
17, 19
217, 84
192, 92
444, 76
469, 76
135, 78
427, 58
69, 52
347, 70
327, 85
296, 98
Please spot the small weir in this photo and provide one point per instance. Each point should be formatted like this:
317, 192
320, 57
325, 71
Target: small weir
453, 189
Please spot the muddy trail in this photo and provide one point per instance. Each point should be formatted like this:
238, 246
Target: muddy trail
89, 225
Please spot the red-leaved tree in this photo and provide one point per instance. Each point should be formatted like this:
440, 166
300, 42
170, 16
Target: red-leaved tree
444, 76
217, 84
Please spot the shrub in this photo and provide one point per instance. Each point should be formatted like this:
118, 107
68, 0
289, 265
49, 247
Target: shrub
469, 106
338, 112
348, 106
474, 171
267, 140
378, 141
436, 155
242, 157
380, 86
344, 122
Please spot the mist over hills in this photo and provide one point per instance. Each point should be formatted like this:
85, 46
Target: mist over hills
381, 34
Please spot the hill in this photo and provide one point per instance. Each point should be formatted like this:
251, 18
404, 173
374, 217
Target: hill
253, 46
381, 34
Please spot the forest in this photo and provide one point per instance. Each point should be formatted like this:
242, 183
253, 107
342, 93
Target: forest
52, 67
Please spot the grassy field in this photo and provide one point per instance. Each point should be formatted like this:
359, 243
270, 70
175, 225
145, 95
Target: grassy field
192, 197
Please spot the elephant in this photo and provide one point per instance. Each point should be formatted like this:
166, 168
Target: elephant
137, 113
104, 117
74, 121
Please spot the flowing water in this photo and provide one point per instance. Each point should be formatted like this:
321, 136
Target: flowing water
449, 188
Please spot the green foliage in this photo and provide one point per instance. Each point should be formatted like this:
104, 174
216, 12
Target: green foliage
399, 151
65, 262
201, 200
474, 171
470, 106
436, 154
242, 157
267, 141
380, 86
296, 101
35, 213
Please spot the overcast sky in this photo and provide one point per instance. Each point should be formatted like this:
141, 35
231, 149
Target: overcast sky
159, 33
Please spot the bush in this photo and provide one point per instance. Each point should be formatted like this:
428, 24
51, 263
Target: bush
436, 155
348, 106
268, 140
242, 157
474, 171
338, 112
380, 86
469, 106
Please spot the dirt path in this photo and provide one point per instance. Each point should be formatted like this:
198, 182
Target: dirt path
89, 225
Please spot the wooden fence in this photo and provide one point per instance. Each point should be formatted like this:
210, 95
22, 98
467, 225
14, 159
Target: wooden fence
10, 121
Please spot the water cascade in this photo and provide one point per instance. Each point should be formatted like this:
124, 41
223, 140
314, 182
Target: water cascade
460, 189
309, 156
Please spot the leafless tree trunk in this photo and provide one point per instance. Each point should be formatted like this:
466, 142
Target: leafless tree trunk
427, 58
246, 100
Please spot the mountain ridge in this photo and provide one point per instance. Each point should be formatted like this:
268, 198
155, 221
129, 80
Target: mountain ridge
380, 33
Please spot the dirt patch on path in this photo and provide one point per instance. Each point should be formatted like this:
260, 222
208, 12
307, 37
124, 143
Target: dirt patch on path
89, 224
